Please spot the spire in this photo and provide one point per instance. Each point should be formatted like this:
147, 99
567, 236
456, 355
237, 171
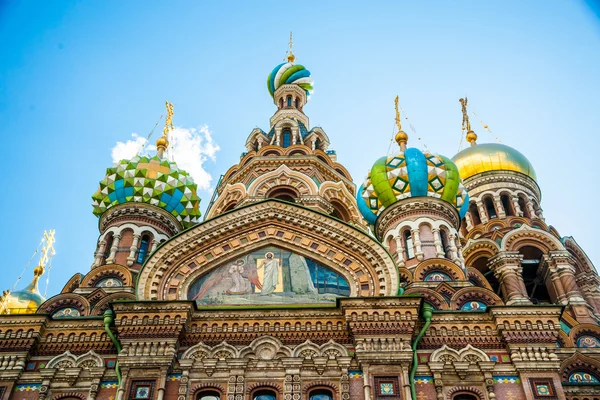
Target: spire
401, 136
290, 53
163, 142
466, 125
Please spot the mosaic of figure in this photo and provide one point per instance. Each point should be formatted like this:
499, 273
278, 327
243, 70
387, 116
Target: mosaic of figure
588, 341
582, 377
66, 313
269, 276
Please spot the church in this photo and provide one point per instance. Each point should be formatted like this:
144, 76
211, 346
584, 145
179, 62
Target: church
437, 278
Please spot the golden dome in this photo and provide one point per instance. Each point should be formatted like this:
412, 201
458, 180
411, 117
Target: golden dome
25, 301
491, 157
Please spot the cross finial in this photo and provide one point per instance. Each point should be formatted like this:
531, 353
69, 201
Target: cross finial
401, 136
48, 248
290, 53
466, 124
163, 142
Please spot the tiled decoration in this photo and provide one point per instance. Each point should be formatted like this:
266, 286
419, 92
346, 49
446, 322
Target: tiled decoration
582, 377
109, 384
109, 282
151, 180
437, 277
386, 387
411, 174
355, 374
543, 389
507, 379
67, 312
142, 390
474, 306
588, 341
27, 387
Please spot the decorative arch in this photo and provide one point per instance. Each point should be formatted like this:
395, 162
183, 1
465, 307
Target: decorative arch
65, 300
170, 270
282, 176
405, 275
583, 262
438, 301
337, 191
579, 362
527, 236
584, 330
199, 351
68, 360
469, 354
320, 385
232, 193
476, 276
438, 264
224, 351
265, 348
70, 395
266, 385
478, 248
103, 304
270, 150
72, 283
465, 390
467, 294
207, 386
106, 271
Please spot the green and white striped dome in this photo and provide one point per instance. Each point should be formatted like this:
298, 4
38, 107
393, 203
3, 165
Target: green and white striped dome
151, 180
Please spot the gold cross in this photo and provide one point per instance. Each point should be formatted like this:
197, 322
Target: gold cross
48, 248
169, 119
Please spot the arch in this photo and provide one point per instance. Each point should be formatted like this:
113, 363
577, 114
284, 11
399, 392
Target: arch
70, 396
507, 204
527, 236
264, 385
207, 386
430, 296
269, 218
523, 205
105, 271
286, 137
320, 393
437, 264
208, 394
469, 294
282, 176
455, 393
579, 362
231, 194
103, 304
478, 279
469, 353
535, 284
65, 300
474, 211
490, 207
265, 348
199, 351
584, 330
582, 261
285, 193
73, 283
270, 150
144, 247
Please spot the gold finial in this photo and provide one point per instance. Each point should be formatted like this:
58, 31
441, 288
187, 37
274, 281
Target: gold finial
466, 124
47, 253
290, 53
401, 136
163, 142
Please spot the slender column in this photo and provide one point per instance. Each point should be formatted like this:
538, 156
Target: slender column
133, 249
482, 212
437, 240
417, 243
453, 249
499, 207
469, 221
561, 298
367, 382
313, 145
113, 249
566, 273
516, 206
98, 255
399, 251
506, 265
295, 135
531, 208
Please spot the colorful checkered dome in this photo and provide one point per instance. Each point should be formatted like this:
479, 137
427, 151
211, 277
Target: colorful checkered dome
151, 180
411, 173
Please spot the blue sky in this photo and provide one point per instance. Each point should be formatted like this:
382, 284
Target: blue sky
76, 77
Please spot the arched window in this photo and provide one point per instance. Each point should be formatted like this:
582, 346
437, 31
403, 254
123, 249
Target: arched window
534, 282
408, 244
489, 206
474, 214
281, 102
481, 264
208, 395
317, 143
297, 102
507, 204
289, 101
287, 138
339, 211
264, 394
283, 193
320, 394
523, 207
445, 243
143, 250
109, 242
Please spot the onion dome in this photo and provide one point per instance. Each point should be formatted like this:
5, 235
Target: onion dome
479, 158
28, 300
485, 157
290, 74
411, 173
151, 180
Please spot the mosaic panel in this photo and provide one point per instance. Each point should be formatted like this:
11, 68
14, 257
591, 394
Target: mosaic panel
437, 277
109, 282
582, 377
588, 341
269, 276
474, 306
67, 312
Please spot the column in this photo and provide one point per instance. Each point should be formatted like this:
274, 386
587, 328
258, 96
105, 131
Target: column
453, 249
482, 212
113, 249
506, 266
133, 249
469, 221
399, 250
417, 244
566, 273
517, 207
437, 240
531, 208
99, 254
499, 207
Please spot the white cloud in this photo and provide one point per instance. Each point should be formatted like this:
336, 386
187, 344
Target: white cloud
189, 148
127, 150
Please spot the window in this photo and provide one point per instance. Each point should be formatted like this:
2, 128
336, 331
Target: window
445, 246
208, 395
289, 101
281, 102
489, 206
264, 395
523, 207
287, 138
474, 214
408, 244
534, 283
465, 396
297, 102
317, 143
143, 250
320, 394
109, 243
506, 203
